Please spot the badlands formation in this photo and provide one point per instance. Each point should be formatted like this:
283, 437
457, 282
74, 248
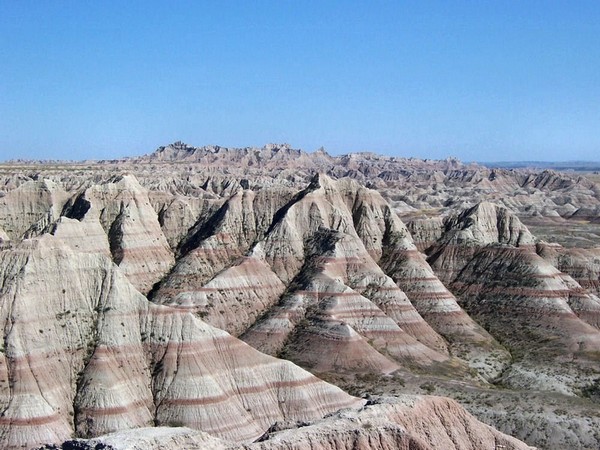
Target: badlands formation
276, 299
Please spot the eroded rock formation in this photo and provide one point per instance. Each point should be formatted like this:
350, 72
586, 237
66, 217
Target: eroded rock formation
85, 353
305, 256
409, 423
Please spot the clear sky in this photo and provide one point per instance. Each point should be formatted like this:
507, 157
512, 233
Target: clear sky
479, 80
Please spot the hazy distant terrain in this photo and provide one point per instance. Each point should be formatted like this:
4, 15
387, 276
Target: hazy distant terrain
575, 166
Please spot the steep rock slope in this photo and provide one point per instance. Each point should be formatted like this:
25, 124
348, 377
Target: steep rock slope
326, 325
467, 232
178, 214
136, 241
313, 265
583, 265
118, 361
217, 275
528, 310
490, 261
391, 245
30, 207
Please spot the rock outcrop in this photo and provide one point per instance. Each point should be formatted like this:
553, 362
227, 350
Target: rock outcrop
117, 361
489, 260
30, 207
136, 240
308, 280
406, 422
305, 256
410, 423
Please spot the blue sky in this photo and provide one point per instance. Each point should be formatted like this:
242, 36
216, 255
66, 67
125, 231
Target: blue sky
479, 80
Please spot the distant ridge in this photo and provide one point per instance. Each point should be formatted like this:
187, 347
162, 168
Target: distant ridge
283, 156
577, 166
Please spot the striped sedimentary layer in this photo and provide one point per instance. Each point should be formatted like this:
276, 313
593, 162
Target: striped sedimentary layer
262, 282
393, 249
235, 298
439, 307
327, 276
411, 423
114, 218
540, 314
326, 325
220, 275
531, 310
583, 265
92, 355
123, 210
532, 293
482, 225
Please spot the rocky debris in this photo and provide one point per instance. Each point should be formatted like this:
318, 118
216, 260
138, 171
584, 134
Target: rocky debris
407, 422
156, 438
552, 422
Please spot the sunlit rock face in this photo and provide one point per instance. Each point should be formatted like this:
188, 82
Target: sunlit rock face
541, 315
86, 353
136, 241
406, 422
136, 293
30, 207
306, 281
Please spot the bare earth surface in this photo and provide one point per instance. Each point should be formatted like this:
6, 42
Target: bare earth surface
215, 289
